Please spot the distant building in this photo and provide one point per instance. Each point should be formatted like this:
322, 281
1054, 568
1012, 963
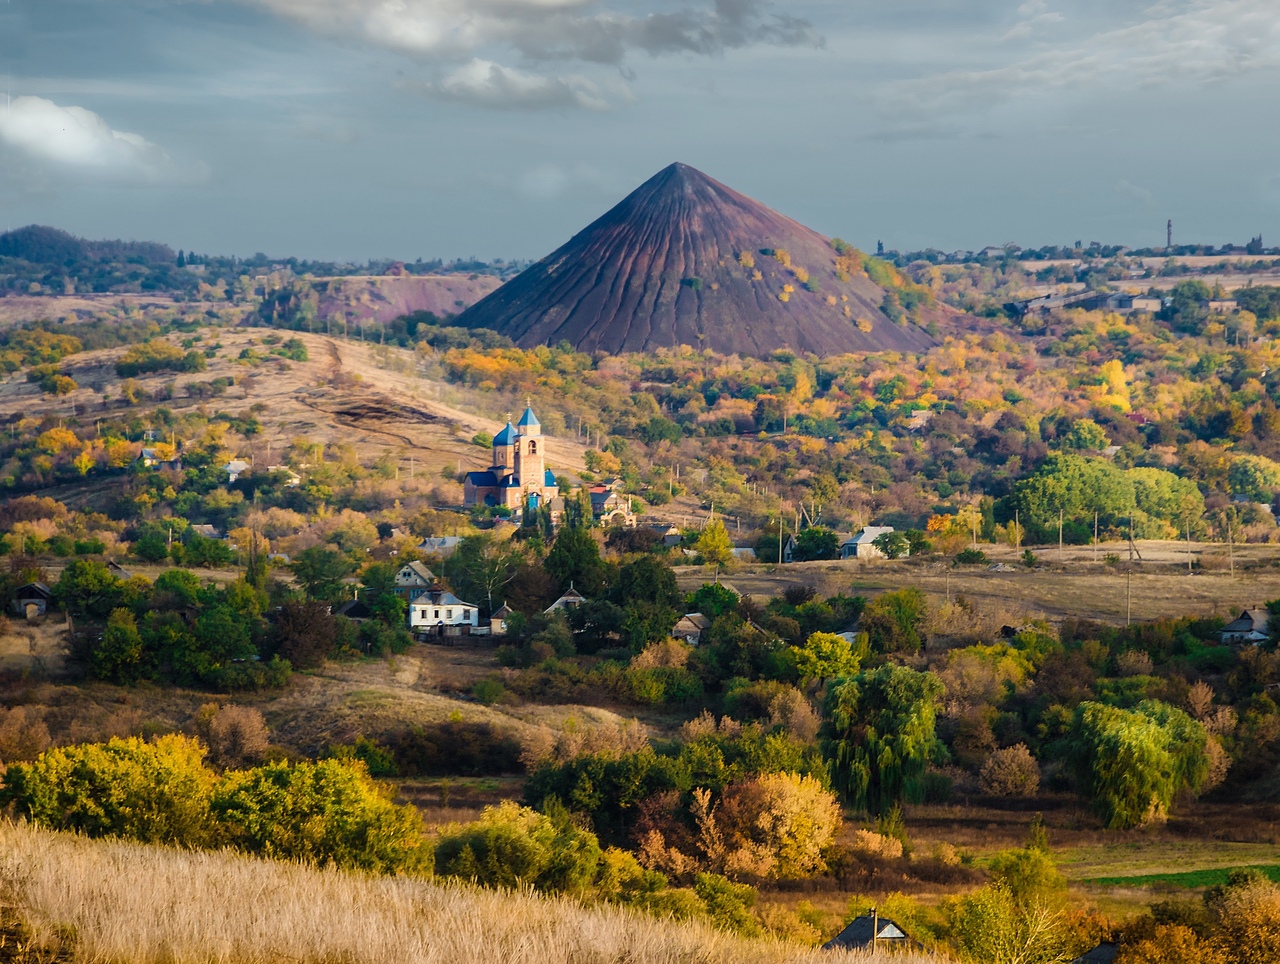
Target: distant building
413, 580
861, 546
442, 546
610, 507
691, 627
518, 477
153, 459
868, 932
292, 478
32, 600
207, 531
498, 621
744, 554
570, 600
671, 535
236, 468
1151, 305
440, 613
1223, 307
1104, 953
1249, 627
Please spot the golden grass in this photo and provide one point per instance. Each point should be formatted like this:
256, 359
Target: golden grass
127, 902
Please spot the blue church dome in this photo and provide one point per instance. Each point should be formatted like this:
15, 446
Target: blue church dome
528, 419
506, 437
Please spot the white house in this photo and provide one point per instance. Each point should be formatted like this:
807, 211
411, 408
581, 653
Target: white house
413, 580
443, 614
861, 545
292, 478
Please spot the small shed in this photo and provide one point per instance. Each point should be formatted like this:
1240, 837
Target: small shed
691, 627
868, 932
1249, 627
442, 546
236, 468
1104, 953
862, 546
498, 620
119, 571
32, 600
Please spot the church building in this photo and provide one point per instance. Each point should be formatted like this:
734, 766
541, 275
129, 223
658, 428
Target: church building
518, 477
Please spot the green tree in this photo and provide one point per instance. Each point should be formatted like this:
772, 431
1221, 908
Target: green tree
895, 621
120, 656
1131, 764
1254, 477
648, 580
712, 600
87, 585
575, 560
894, 545
827, 656
1086, 435
714, 544
322, 572
481, 567
879, 736
816, 542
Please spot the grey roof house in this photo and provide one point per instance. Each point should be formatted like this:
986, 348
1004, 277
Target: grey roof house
867, 932
1249, 627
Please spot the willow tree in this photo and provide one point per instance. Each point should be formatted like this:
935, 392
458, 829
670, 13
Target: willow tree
1132, 764
879, 736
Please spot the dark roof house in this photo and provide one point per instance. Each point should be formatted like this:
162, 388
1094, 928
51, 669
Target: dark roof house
868, 931
1104, 953
1249, 627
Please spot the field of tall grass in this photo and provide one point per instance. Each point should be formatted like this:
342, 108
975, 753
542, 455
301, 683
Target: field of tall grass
128, 903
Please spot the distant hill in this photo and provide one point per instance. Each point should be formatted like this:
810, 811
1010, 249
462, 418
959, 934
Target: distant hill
44, 245
686, 260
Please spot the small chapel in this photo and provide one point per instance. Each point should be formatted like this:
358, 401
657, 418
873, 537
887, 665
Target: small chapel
519, 477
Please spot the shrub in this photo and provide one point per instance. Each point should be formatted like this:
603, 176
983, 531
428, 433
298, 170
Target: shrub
988, 926
970, 557
512, 846
456, 748
328, 812
23, 734
306, 633
1010, 772
156, 791
237, 735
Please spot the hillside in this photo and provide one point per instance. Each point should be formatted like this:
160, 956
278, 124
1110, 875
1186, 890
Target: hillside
130, 902
685, 260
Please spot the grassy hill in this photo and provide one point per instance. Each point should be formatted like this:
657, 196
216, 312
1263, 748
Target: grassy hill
110, 901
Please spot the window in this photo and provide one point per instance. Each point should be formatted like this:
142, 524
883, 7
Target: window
448, 614
533, 448
436, 614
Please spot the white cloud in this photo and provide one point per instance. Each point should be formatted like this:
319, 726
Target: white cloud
79, 141
1200, 41
483, 83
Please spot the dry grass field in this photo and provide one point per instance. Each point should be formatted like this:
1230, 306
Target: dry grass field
1073, 586
113, 901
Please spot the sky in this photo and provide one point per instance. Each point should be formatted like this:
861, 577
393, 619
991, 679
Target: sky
355, 129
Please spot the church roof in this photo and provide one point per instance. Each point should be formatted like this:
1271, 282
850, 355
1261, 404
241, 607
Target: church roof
528, 419
507, 436
549, 478
481, 479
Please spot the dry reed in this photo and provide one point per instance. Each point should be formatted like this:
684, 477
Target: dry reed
142, 904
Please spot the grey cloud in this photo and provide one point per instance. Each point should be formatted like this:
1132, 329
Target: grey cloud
544, 30
1179, 40
483, 83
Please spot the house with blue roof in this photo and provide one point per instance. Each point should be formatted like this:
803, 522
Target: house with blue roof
518, 478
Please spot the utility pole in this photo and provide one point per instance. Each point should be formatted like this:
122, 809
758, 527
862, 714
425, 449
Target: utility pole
1188, 545
1059, 535
779, 532
1128, 595
1095, 535
1017, 532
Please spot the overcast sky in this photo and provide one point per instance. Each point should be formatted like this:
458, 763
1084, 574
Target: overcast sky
497, 128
